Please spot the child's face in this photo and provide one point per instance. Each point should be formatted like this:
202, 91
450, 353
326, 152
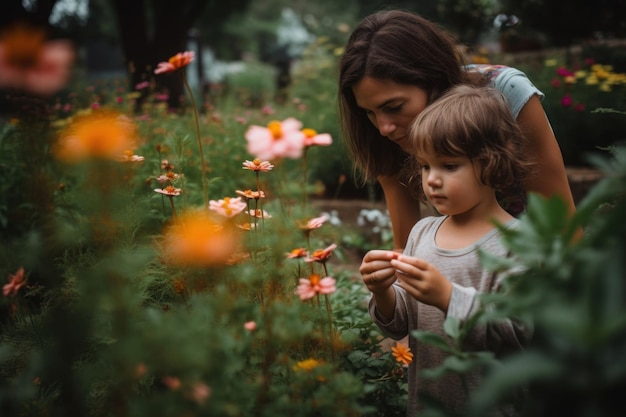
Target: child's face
451, 183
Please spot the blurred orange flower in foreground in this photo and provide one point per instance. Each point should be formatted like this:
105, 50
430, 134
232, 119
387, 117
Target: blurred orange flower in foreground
199, 238
30, 63
101, 134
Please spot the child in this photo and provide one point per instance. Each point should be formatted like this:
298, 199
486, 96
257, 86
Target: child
468, 146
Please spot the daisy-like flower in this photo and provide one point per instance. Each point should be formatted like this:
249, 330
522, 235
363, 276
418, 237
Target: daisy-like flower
251, 195
180, 60
247, 226
166, 165
259, 214
297, 253
168, 177
16, 281
258, 165
314, 223
169, 191
30, 63
402, 353
99, 134
311, 138
129, 156
229, 207
277, 140
321, 255
199, 239
315, 284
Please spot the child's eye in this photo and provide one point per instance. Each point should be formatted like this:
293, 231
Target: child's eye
424, 167
451, 167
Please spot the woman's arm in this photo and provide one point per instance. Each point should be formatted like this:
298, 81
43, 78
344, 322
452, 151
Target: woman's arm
550, 177
404, 210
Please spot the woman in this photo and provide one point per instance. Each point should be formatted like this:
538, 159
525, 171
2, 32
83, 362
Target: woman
395, 64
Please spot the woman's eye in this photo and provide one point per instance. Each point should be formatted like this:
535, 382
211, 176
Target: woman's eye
394, 109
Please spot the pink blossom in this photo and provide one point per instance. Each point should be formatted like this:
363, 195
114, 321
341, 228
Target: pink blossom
314, 285
16, 281
229, 207
566, 101
169, 191
142, 85
297, 253
258, 165
259, 214
314, 223
311, 137
30, 63
580, 107
199, 392
250, 326
564, 72
277, 140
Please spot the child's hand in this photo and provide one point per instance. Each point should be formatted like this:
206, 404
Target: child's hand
376, 270
423, 281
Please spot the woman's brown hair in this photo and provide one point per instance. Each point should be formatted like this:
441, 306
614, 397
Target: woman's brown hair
402, 47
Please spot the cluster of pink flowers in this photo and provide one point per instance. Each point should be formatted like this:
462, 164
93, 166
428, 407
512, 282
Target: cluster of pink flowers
286, 139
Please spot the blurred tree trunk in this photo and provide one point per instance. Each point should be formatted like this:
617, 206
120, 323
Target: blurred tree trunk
151, 32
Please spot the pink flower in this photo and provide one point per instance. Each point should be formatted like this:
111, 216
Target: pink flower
555, 82
580, 107
251, 195
566, 101
169, 191
314, 223
180, 60
229, 207
277, 140
564, 72
314, 285
30, 63
311, 137
250, 326
142, 85
321, 255
258, 165
171, 382
199, 392
16, 281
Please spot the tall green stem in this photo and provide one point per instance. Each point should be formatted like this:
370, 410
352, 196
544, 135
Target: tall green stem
205, 193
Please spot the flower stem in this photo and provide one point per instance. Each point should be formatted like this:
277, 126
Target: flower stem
205, 193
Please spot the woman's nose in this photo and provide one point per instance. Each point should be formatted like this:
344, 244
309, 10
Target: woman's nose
385, 126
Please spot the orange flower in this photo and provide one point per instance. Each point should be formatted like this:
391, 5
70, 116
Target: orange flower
180, 60
297, 253
102, 134
199, 239
402, 353
306, 365
251, 195
321, 255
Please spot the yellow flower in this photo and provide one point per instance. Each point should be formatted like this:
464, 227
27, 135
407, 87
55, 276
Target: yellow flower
402, 353
306, 365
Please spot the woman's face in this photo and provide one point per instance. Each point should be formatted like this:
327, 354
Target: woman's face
391, 107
